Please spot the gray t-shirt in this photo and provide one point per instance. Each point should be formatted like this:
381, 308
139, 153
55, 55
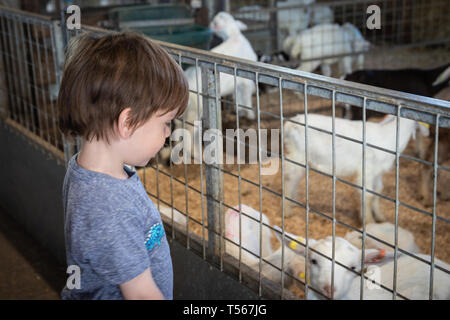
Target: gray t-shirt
113, 232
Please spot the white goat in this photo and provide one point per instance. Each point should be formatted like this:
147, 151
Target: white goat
294, 264
292, 21
321, 14
413, 275
235, 44
386, 232
348, 153
250, 231
359, 44
327, 40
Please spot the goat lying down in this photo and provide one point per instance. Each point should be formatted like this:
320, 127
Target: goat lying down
386, 232
413, 275
249, 238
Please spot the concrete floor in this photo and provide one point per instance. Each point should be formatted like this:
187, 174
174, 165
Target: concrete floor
27, 271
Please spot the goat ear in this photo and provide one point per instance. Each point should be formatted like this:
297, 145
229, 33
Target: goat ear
374, 255
424, 128
242, 26
293, 242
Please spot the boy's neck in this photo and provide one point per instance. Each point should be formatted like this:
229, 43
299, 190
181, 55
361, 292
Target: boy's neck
97, 155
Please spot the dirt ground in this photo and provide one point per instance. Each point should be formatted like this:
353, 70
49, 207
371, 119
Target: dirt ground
320, 186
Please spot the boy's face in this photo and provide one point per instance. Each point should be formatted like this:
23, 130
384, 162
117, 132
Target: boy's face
148, 139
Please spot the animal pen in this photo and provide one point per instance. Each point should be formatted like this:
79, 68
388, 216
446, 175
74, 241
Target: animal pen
403, 23
32, 51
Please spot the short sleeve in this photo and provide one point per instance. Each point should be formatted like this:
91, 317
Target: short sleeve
116, 250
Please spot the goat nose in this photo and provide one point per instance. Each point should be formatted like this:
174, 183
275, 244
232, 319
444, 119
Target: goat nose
327, 289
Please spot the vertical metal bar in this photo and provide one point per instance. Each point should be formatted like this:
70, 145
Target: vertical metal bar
56, 67
258, 118
30, 44
305, 101
37, 67
363, 209
58, 61
201, 160
218, 125
15, 112
239, 173
78, 143
397, 172
186, 192
171, 184
273, 23
21, 74
433, 235
31, 107
333, 142
28, 111
49, 76
7, 71
283, 195
157, 186
43, 85
65, 36
213, 173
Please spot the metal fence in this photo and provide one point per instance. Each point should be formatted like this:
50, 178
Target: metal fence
31, 55
202, 194
402, 23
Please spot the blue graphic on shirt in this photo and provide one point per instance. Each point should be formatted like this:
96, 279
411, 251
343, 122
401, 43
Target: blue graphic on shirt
154, 235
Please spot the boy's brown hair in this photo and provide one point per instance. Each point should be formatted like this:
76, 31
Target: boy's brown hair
104, 74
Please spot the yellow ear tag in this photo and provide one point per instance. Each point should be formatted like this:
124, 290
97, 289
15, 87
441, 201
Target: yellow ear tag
426, 125
293, 244
302, 275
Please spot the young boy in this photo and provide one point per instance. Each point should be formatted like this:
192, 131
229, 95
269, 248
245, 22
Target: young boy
119, 93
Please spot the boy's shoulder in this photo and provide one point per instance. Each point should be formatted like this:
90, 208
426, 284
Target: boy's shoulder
86, 189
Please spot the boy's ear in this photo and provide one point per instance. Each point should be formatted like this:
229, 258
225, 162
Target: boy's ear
123, 124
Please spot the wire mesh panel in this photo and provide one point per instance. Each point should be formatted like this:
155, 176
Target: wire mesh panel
30, 77
279, 190
358, 27
334, 197
310, 173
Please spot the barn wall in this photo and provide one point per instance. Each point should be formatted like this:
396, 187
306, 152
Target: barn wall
194, 278
30, 191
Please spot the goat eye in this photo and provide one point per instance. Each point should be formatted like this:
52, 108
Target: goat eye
353, 268
313, 261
